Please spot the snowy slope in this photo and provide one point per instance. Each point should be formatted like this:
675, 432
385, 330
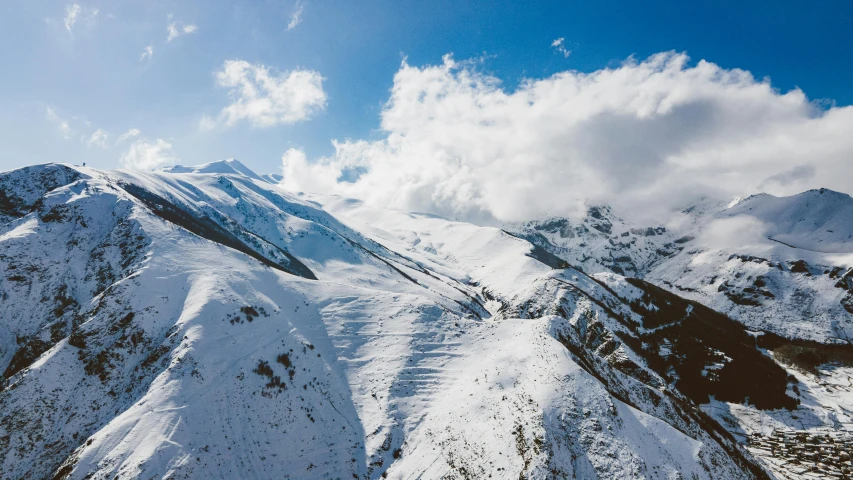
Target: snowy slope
777, 264
231, 166
601, 241
781, 266
589, 317
818, 220
791, 275
203, 323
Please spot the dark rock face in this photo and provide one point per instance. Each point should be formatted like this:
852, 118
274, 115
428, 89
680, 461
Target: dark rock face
21, 190
706, 353
672, 381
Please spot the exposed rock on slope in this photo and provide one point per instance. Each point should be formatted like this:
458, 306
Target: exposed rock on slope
782, 265
200, 323
779, 266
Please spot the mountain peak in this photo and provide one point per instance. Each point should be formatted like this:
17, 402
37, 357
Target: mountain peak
817, 220
828, 193
813, 199
228, 166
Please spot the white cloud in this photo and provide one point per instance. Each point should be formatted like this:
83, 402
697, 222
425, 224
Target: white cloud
733, 232
296, 15
206, 123
147, 155
147, 53
266, 99
176, 29
173, 32
98, 139
795, 175
133, 132
74, 13
646, 137
71, 13
297, 172
559, 45
61, 123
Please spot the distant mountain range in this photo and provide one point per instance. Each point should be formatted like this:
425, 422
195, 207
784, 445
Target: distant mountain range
202, 322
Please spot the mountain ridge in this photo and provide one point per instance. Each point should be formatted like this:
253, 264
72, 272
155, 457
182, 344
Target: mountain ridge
153, 325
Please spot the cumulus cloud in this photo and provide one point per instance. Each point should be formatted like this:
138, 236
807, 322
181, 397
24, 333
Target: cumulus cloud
265, 98
646, 137
61, 123
146, 155
98, 139
296, 15
297, 171
176, 29
133, 132
560, 47
147, 53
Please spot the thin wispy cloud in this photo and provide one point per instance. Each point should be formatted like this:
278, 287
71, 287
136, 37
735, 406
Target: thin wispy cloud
147, 53
560, 47
74, 13
133, 132
71, 13
206, 123
264, 98
98, 139
177, 29
296, 15
77, 126
173, 32
61, 123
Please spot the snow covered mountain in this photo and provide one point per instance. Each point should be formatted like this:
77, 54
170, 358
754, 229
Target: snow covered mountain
816, 220
779, 266
791, 273
201, 322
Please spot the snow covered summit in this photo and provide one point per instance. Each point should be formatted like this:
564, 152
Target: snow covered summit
817, 220
229, 166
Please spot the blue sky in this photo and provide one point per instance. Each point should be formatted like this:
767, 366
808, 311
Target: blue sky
62, 83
